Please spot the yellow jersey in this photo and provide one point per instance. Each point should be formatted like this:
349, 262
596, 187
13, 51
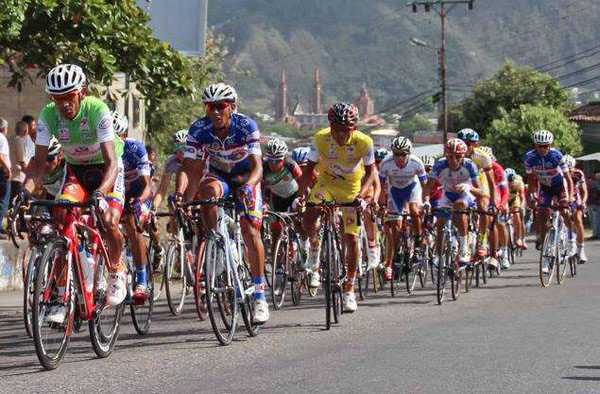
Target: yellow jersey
342, 164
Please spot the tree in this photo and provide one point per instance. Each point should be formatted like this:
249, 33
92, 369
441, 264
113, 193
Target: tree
416, 123
511, 87
510, 134
103, 37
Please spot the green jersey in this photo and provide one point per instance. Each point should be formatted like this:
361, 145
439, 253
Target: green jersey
81, 136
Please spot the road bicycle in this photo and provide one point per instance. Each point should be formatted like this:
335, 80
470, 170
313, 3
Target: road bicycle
65, 280
553, 253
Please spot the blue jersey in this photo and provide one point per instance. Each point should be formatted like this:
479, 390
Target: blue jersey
549, 170
135, 162
230, 156
466, 173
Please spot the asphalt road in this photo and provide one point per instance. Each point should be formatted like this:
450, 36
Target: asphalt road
510, 336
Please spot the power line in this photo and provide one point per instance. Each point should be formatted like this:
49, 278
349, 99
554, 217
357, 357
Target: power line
542, 66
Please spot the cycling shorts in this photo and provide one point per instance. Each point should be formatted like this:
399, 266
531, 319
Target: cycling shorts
397, 198
281, 204
320, 192
550, 193
228, 187
450, 198
83, 180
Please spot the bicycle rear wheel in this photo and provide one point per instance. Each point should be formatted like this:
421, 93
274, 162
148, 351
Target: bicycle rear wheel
547, 259
51, 339
105, 323
141, 313
221, 298
175, 278
456, 276
563, 257
279, 273
410, 274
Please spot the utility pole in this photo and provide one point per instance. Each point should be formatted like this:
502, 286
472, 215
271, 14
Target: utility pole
439, 6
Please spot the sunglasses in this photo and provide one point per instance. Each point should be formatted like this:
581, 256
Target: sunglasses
455, 155
63, 97
542, 146
274, 160
220, 106
399, 154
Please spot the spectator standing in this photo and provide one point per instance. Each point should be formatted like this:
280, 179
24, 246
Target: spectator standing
32, 132
594, 203
4, 174
19, 158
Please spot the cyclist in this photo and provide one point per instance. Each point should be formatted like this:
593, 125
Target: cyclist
231, 142
171, 166
280, 180
486, 180
516, 201
459, 178
499, 234
84, 127
580, 196
138, 196
55, 172
403, 175
346, 158
547, 173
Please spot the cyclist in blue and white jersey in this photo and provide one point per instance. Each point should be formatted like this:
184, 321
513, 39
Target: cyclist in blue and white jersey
138, 195
458, 177
229, 143
171, 166
549, 180
403, 175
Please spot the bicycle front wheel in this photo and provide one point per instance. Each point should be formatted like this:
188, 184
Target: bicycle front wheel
141, 312
50, 337
547, 259
221, 297
175, 278
105, 324
279, 271
28, 290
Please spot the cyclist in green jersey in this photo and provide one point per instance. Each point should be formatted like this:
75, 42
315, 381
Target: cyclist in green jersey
83, 126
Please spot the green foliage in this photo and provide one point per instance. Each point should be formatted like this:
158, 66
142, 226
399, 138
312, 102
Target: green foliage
103, 37
511, 87
510, 134
417, 122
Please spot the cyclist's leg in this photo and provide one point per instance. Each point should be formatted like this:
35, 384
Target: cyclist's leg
578, 225
543, 212
373, 250
311, 225
138, 246
461, 201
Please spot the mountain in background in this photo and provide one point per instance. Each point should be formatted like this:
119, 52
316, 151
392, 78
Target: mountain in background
356, 41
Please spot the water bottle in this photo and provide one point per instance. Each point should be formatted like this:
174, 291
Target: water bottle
87, 264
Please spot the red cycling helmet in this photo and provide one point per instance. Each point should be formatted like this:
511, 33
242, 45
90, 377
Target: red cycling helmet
343, 114
456, 145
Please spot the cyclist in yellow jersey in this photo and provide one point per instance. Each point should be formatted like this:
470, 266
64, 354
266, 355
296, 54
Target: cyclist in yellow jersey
486, 180
516, 199
347, 169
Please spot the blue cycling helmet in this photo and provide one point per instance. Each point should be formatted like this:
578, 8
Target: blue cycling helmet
469, 135
300, 154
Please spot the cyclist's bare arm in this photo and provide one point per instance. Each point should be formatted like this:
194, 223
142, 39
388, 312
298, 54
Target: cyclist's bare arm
306, 177
377, 186
37, 168
162, 189
111, 169
146, 187
489, 174
188, 180
532, 185
569, 184
476, 190
367, 180
256, 170
584, 193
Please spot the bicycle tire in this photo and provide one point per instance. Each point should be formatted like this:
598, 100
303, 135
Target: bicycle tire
158, 276
545, 257
199, 288
51, 361
247, 307
175, 272
214, 285
573, 266
444, 259
103, 341
28, 290
423, 266
456, 277
297, 280
469, 274
279, 273
141, 315
327, 285
410, 275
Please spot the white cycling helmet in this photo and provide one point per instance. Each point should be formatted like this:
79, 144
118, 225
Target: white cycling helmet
401, 144
509, 173
276, 149
219, 92
180, 136
543, 137
120, 122
570, 161
65, 78
427, 160
54, 147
